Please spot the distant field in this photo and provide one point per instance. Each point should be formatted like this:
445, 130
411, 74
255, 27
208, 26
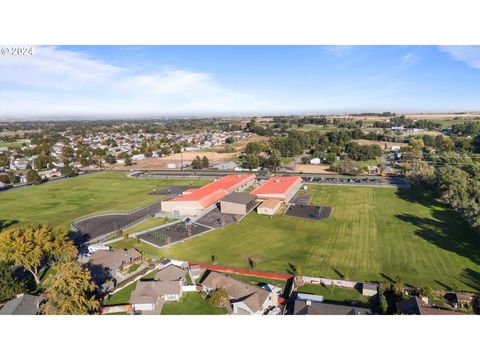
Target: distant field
446, 123
61, 202
11, 145
374, 234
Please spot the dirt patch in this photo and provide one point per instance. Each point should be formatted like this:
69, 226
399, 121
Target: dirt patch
161, 163
313, 169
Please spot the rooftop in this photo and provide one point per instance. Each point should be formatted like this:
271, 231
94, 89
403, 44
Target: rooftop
22, 305
239, 198
214, 191
317, 308
277, 185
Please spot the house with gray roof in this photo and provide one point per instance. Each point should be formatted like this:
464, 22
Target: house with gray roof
23, 304
308, 307
167, 286
245, 298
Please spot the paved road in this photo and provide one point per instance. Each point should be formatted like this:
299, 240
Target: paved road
101, 225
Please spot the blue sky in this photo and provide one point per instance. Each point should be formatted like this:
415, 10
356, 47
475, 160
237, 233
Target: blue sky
233, 80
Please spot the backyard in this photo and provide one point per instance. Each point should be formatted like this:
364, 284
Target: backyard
333, 294
192, 303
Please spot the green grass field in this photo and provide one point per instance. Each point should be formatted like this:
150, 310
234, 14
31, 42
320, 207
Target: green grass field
374, 234
61, 202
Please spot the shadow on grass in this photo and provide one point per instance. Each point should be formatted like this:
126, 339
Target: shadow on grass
445, 286
338, 273
447, 231
470, 278
386, 277
6, 224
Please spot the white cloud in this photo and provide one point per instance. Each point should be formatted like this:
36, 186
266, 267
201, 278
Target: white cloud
56, 81
408, 60
470, 55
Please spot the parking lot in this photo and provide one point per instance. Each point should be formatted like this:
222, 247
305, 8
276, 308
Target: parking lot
309, 212
171, 234
358, 181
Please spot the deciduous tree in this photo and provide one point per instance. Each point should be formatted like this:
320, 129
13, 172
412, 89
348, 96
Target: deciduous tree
32, 247
70, 291
9, 286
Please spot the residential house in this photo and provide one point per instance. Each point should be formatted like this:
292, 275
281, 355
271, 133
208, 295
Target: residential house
167, 286
227, 166
308, 307
105, 264
245, 298
415, 306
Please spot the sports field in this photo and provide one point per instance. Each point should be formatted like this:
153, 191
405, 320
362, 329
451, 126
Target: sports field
61, 202
373, 234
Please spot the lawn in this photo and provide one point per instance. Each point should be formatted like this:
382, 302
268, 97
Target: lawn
192, 303
121, 297
336, 294
61, 202
374, 234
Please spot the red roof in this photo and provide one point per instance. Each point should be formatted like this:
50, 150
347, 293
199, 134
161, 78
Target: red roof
277, 186
214, 191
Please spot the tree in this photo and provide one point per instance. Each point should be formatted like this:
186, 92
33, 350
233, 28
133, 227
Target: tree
128, 161
31, 247
197, 163
251, 162
9, 286
218, 297
4, 161
68, 171
397, 286
383, 303
253, 147
420, 172
305, 160
33, 177
4, 178
230, 140
68, 152
443, 143
205, 162
70, 291
330, 157
110, 159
